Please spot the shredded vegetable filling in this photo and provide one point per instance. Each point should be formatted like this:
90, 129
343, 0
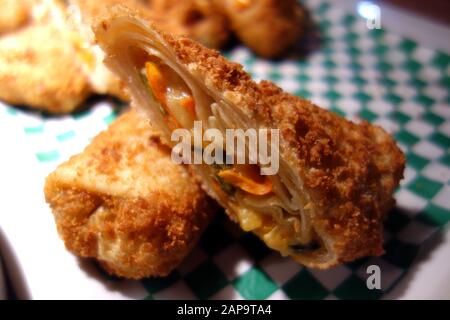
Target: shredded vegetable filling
279, 229
247, 178
176, 100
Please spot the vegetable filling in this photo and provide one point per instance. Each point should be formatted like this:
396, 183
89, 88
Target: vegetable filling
176, 100
178, 108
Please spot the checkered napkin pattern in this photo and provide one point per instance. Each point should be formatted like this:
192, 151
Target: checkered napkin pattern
354, 71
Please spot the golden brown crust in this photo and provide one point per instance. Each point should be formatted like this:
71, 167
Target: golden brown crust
39, 63
125, 203
349, 170
220, 74
31, 64
13, 14
201, 20
352, 170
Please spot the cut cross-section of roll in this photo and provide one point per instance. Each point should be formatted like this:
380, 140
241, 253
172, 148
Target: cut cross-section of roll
329, 198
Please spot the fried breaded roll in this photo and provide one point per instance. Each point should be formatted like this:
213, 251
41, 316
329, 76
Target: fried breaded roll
13, 14
124, 202
38, 70
328, 200
268, 27
201, 20
50, 63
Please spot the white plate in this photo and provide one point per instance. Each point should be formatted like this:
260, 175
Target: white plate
43, 269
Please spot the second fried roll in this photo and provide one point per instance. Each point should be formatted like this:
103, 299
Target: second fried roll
124, 202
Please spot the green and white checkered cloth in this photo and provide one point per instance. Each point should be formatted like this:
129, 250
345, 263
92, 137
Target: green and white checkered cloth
356, 72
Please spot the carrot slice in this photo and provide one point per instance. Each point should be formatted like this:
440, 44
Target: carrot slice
248, 178
189, 104
158, 84
241, 4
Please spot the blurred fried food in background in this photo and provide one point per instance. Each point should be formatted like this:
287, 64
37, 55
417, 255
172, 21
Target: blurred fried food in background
13, 14
268, 27
49, 60
201, 20
36, 70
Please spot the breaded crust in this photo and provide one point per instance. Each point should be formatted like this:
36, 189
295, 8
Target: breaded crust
125, 203
349, 170
37, 69
13, 14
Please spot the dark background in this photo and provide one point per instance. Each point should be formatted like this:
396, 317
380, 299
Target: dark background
437, 10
